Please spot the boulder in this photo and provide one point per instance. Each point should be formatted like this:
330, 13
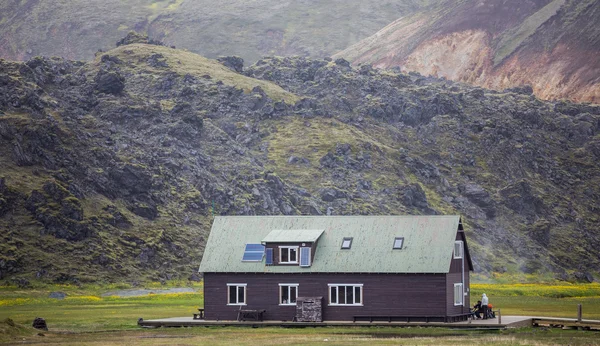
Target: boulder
40, 323
109, 82
234, 63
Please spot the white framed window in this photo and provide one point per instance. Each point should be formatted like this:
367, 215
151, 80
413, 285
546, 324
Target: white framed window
288, 254
288, 294
458, 294
345, 294
236, 294
458, 249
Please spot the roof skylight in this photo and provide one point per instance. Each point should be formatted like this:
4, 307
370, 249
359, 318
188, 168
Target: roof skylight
398, 243
347, 243
253, 253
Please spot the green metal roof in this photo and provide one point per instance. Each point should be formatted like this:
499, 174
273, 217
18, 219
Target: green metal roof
293, 235
428, 243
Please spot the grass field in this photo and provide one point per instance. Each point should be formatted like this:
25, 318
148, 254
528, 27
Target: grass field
87, 317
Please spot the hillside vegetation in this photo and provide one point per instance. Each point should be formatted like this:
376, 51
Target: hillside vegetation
550, 45
112, 170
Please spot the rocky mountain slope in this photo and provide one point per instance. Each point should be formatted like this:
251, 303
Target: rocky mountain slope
112, 169
251, 29
551, 45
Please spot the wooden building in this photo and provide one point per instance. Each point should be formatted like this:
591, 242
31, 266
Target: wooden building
362, 267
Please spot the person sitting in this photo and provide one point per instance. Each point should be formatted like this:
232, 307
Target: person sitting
476, 311
490, 312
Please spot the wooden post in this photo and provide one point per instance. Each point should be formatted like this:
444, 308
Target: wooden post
579, 313
499, 317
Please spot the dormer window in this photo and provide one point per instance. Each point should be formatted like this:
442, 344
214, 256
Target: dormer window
347, 243
288, 254
398, 243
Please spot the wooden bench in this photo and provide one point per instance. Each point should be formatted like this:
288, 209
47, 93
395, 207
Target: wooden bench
458, 317
254, 315
199, 315
398, 318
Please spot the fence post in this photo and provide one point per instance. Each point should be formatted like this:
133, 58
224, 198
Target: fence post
579, 312
499, 317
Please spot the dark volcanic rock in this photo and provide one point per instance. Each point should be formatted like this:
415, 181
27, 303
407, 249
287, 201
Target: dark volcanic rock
110, 82
413, 195
520, 197
235, 63
129, 185
39, 323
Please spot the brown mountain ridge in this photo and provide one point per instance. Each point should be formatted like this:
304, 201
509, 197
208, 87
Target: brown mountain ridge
551, 45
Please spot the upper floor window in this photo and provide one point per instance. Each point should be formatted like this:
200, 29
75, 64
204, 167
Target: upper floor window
236, 294
458, 249
345, 294
288, 254
458, 294
288, 294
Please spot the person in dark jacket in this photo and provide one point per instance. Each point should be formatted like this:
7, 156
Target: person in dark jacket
476, 311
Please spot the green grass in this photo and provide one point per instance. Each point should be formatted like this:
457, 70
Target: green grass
85, 317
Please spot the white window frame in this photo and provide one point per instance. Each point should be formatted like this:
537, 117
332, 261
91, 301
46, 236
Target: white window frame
461, 295
354, 287
288, 288
461, 248
288, 248
237, 286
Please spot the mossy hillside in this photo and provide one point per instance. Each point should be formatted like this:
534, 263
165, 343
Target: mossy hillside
123, 161
183, 63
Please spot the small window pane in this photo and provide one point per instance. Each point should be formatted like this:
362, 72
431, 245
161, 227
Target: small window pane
284, 255
334, 295
232, 294
293, 294
357, 298
349, 295
284, 295
293, 255
241, 295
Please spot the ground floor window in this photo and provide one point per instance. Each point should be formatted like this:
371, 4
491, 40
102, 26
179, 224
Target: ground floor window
288, 293
458, 294
345, 294
236, 294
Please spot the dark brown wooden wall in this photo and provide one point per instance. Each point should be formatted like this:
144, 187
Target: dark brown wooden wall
455, 277
383, 294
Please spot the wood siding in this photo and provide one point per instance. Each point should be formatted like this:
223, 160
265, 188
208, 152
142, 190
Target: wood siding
383, 294
455, 277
